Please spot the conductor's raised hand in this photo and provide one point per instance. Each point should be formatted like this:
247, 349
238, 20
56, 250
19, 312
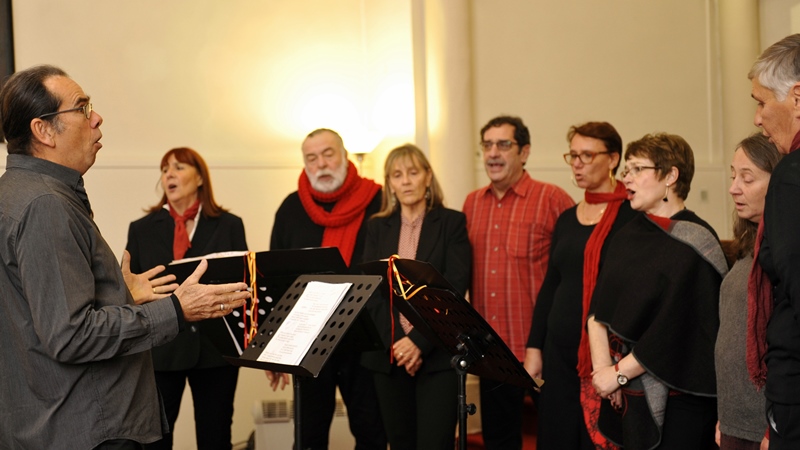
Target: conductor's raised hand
207, 301
145, 287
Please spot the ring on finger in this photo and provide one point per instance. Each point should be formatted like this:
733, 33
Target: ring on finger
222, 306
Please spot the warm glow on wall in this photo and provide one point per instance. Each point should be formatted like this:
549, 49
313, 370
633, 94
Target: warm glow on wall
350, 92
350, 70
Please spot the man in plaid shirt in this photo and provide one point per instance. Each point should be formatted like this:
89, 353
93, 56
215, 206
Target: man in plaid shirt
510, 225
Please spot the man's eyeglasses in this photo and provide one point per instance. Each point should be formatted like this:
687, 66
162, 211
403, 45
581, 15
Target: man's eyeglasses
85, 109
636, 170
585, 157
503, 146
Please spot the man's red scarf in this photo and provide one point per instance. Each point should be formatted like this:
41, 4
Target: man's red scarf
344, 220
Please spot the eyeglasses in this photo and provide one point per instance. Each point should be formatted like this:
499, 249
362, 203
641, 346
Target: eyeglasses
585, 157
636, 170
85, 109
503, 146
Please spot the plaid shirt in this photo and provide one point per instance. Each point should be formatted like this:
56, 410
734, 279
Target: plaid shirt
511, 246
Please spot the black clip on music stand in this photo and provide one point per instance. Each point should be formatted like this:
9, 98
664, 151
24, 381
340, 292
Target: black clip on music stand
345, 315
446, 319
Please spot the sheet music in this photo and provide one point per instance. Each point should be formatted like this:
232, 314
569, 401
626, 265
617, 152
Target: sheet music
304, 323
210, 256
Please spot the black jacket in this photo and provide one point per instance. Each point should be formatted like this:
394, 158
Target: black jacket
150, 244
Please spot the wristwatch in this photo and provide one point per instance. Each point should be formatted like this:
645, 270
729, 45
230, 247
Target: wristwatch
621, 379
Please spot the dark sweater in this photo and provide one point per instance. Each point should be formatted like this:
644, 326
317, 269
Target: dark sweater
780, 259
294, 228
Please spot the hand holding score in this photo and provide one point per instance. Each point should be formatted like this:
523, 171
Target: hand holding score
208, 301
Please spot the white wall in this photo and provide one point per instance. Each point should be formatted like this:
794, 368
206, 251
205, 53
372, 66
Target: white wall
642, 66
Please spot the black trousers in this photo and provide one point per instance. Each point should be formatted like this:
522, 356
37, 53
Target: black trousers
501, 415
689, 422
213, 390
784, 426
419, 412
318, 397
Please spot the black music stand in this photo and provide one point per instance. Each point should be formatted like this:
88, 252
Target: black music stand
325, 343
446, 319
276, 271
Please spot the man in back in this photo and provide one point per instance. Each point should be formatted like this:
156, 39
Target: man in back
76, 368
510, 224
330, 209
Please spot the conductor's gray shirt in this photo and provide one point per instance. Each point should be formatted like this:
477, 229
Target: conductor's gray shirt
75, 366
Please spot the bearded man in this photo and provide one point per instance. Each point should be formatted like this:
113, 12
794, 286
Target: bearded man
330, 209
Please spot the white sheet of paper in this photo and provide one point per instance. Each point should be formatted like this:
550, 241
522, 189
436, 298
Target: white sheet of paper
210, 256
304, 322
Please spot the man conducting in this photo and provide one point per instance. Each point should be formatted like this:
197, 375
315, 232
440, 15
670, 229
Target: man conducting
330, 209
76, 368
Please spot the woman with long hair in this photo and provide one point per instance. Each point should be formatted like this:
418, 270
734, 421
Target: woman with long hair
416, 385
740, 405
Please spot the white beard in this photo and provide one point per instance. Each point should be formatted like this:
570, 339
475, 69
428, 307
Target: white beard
328, 185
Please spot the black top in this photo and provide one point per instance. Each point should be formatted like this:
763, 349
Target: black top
780, 258
150, 244
559, 305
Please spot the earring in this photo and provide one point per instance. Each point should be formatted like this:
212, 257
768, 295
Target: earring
612, 178
392, 200
572, 178
428, 193
665, 194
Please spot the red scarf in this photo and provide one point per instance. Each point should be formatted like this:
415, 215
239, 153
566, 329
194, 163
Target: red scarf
760, 303
344, 221
759, 309
180, 241
591, 264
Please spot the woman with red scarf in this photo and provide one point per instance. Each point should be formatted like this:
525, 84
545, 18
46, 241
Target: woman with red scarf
557, 337
740, 403
188, 222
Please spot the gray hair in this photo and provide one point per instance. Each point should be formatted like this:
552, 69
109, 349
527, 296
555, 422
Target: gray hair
778, 68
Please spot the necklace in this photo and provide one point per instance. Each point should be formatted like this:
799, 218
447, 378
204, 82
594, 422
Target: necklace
591, 221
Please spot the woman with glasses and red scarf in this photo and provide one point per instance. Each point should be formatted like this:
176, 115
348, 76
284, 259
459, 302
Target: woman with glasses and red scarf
654, 317
568, 406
